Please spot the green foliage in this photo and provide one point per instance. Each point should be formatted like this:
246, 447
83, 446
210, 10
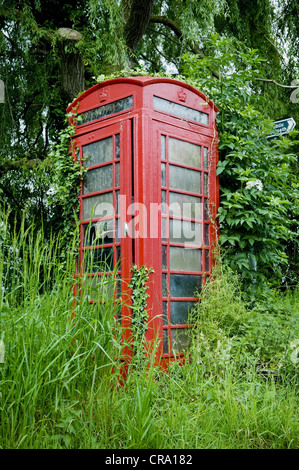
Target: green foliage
61, 384
67, 175
138, 285
228, 329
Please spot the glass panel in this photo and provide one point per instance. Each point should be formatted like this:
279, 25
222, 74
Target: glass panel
98, 233
117, 174
106, 110
206, 184
117, 196
98, 260
99, 287
207, 238
206, 204
182, 205
165, 342
207, 261
98, 206
163, 174
163, 147
181, 111
164, 231
118, 287
97, 152
164, 257
184, 285
184, 152
117, 146
184, 179
163, 200
98, 179
165, 314
185, 259
180, 339
205, 158
185, 232
118, 257
179, 312
164, 285
118, 234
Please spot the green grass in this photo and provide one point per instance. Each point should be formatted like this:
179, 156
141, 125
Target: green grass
60, 381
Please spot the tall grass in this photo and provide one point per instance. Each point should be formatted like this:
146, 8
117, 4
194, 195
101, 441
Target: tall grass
60, 383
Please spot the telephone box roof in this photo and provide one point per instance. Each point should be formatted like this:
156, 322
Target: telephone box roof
142, 82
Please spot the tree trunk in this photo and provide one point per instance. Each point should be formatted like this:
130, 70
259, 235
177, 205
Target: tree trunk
72, 71
137, 15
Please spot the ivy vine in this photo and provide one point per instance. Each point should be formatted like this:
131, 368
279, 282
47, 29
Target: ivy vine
67, 176
139, 297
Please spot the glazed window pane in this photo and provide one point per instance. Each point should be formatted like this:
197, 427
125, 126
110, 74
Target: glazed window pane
182, 205
163, 174
205, 158
181, 111
98, 260
185, 232
98, 179
98, 206
117, 174
179, 312
180, 339
106, 110
184, 179
184, 285
185, 259
184, 152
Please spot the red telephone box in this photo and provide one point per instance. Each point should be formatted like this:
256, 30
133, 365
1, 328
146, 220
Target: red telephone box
150, 149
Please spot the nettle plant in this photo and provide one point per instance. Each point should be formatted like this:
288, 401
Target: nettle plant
259, 189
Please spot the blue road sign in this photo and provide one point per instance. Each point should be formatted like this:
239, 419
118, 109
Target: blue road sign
284, 126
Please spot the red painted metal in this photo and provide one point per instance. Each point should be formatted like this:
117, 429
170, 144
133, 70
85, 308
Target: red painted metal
140, 127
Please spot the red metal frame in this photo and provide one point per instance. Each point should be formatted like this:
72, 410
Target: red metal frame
140, 129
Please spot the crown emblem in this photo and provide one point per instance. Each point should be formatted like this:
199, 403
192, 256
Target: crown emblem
182, 95
103, 94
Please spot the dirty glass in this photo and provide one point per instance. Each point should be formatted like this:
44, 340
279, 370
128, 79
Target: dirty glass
98, 206
181, 111
179, 312
106, 110
182, 205
98, 179
184, 179
180, 339
184, 285
182, 259
98, 152
184, 152
183, 231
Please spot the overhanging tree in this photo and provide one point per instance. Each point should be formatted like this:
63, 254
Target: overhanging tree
51, 50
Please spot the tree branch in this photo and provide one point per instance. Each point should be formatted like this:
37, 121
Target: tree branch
137, 15
177, 31
293, 87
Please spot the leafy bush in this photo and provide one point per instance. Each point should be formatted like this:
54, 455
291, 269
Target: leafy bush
258, 176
